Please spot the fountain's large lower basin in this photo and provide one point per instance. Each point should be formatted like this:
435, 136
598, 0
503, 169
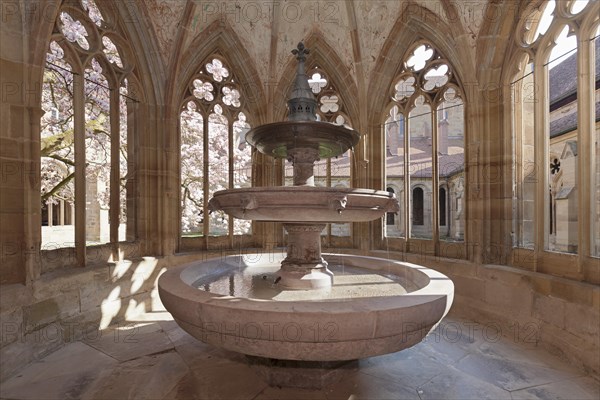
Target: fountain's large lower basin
325, 327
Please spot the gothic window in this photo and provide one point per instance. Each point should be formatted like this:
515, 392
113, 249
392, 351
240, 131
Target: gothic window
417, 204
424, 142
443, 202
214, 154
390, 217
86, 177
554, 42
596, 153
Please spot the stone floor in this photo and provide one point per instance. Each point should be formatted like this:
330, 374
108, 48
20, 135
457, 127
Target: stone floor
155, 359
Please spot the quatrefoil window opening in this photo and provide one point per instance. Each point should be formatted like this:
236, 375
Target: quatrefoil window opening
555, 166
435, 77
231, 97
419, 58
217, 70
404, 88
329, 104
203, 90
317, 82
76, 32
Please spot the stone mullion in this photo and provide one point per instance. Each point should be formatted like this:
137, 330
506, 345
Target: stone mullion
328, 180
466, 189
61, 215
115, 170
80, 167
435, 180
133, 110
230, 171
517, 109
407, 208
205, 179
541, 129
586, 153
50, 214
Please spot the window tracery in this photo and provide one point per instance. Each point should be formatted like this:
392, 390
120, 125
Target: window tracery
553, 43
214, 155
86, 180
424, 146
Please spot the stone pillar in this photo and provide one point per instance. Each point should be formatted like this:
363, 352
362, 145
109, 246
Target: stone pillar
50, 214
61, 214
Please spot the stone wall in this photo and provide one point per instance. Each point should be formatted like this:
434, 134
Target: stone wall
70, 304
65, 305
561, 315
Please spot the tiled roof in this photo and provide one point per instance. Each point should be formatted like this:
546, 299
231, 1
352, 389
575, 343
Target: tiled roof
563, 77
420, 165
449, 164
420, 162
563, 80
568, 123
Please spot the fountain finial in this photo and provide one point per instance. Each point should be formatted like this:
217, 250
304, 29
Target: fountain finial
301, 52
302, 104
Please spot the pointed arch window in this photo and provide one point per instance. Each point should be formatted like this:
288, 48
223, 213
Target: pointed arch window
556, 135
89, 121
417, 206
390, 218
214, 154
442, 214
424, 134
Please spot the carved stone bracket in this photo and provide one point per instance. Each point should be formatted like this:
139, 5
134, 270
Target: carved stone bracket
338, 203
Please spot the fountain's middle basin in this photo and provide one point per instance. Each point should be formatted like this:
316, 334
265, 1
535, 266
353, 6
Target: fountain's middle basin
376, 306
305, 204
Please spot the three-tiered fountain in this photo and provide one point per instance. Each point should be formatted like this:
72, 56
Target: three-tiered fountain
315, 309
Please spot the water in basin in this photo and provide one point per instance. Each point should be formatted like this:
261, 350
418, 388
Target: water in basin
349, 283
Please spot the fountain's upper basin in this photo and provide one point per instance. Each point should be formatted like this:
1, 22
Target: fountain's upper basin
276, 139
322, 329
305, 204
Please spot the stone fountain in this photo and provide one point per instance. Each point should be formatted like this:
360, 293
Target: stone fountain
287, 310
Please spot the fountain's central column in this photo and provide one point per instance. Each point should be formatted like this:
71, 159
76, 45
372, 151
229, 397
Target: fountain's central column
304, 267
303, 160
